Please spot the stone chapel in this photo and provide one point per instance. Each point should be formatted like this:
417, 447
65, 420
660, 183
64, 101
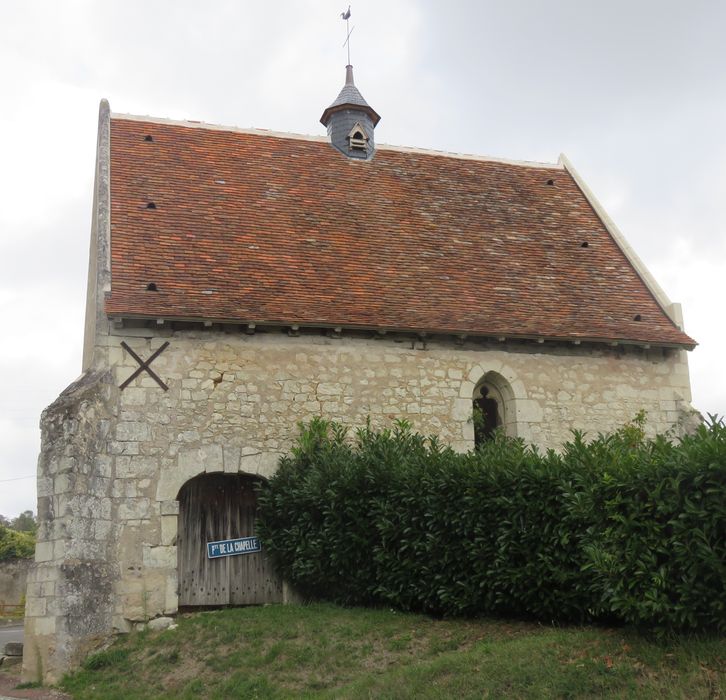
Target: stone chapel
241, 281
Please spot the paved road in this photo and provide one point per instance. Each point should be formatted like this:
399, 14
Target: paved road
10, 634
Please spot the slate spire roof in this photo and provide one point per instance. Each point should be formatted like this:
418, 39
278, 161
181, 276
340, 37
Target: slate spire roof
253, 227
349, 96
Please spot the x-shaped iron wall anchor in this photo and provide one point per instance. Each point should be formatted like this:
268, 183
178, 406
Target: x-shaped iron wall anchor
144, 365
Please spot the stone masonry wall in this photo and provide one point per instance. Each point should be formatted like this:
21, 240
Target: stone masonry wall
13, 577
251, 391
69, 606
113, 461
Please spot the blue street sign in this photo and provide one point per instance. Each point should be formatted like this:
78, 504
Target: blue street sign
229, 548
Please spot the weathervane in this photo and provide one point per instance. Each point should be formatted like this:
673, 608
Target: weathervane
348, 31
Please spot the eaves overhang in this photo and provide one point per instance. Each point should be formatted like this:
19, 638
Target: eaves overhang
375, 117
460, 335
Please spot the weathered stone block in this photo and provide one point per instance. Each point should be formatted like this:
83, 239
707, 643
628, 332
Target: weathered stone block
462, 410
124, 488
136, 466
43, 551
13, 649
231, 458
132, 431
466, 390
330, 389
171, 604
44, 625
123, 448
121, 625
103, 529
134, 508
168, 529
35, 607
134, 396
160, 557
208, 458
529, 411
170, 507
160, 623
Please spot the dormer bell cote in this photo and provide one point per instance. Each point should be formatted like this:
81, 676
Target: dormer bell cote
351, 121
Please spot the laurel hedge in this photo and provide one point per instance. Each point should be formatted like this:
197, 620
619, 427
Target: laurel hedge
617, 528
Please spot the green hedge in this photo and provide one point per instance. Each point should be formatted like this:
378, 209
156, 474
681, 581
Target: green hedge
658, 549
617, 528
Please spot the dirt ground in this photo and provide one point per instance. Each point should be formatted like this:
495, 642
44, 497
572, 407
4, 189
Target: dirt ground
10, 677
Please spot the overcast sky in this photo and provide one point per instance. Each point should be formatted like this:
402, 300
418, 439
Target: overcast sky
633, 91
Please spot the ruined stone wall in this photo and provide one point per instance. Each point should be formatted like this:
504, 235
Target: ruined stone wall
69, 594
113, 460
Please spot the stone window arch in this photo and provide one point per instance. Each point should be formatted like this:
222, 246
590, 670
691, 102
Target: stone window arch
493, 408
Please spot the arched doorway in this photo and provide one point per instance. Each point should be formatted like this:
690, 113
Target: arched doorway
218, 557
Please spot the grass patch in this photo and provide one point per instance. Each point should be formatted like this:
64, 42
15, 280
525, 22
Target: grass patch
324, 651
110, 657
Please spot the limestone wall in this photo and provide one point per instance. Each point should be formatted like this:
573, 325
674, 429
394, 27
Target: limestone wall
69, 603
250, 391
113, 460
13, 577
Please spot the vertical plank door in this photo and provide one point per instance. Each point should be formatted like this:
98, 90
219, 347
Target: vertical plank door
252, 579
215, 507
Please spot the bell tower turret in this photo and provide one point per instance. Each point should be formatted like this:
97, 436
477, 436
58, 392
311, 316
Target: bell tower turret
350, 121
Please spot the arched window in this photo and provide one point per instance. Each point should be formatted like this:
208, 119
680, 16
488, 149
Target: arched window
488, 412
515, 411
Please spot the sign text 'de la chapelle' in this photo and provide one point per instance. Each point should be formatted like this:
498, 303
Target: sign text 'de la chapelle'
229, 548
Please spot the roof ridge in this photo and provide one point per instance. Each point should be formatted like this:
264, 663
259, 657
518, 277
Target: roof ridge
255, 131
192, 124
470, 156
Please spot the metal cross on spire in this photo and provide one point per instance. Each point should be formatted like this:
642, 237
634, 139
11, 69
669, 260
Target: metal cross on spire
348, 31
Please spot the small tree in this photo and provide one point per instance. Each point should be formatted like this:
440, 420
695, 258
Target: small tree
25, 522
16, 544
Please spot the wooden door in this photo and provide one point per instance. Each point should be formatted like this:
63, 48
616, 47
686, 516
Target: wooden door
214, 507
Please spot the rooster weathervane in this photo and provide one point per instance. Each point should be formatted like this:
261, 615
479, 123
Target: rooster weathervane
348, 31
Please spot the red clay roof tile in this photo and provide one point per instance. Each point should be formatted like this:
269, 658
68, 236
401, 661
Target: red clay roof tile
262, 228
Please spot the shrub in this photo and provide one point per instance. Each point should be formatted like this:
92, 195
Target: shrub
16, 544
617, 527
659, 551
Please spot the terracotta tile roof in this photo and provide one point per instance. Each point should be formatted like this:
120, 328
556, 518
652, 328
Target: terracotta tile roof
262, 228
